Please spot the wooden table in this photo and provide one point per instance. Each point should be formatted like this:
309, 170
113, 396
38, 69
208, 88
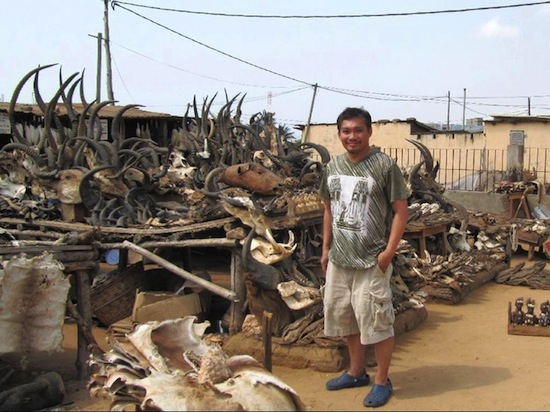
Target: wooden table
516, 203
422, 233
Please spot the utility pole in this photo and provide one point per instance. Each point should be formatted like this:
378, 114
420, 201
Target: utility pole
110, 94
98, 75
529, 106
448, 110
306, 132
464, 111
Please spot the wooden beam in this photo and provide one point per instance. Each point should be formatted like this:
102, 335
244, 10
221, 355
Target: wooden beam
218, 290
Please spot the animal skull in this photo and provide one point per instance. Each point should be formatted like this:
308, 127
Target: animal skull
269, 251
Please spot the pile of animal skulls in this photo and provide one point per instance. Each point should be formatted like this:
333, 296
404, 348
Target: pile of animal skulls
170, 366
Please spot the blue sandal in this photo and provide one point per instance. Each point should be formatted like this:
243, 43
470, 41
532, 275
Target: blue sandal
347, 381
379, 395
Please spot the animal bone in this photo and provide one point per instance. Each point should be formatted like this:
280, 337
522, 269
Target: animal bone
166, 381
270, 252
297, 296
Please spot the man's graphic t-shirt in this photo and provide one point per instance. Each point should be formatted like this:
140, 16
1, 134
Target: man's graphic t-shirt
361, 195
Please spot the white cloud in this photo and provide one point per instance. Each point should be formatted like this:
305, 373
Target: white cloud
493, 28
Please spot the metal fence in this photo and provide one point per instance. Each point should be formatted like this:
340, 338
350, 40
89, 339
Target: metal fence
478, 169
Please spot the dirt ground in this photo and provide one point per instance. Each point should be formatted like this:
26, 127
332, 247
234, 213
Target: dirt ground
460, 358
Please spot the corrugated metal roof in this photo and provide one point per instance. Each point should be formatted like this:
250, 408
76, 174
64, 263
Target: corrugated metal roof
107, 112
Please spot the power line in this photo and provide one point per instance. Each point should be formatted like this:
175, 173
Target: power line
193, 73
122, 80
336, 16
217, 50
355, 93
349, 92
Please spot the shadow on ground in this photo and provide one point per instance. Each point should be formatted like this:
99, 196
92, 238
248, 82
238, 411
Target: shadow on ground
437, 380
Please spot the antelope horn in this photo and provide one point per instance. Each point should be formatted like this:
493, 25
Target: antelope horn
238, 111
93, 116
115, 126
322, 150
49, 115
15, 95
81, 130
425, 154
68, 100
27, 150
82, 97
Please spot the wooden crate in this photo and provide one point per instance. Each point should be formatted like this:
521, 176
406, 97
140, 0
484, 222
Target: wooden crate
526, 330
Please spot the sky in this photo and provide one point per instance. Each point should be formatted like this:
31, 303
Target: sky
435, 67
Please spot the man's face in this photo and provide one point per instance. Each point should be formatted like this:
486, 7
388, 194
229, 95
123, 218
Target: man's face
354, 135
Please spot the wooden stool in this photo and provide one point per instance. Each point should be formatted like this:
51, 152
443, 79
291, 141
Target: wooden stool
517, 202
421, 234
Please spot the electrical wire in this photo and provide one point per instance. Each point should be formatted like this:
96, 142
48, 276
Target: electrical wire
350, 92
122, 79
217, 50
193, 73
115, 3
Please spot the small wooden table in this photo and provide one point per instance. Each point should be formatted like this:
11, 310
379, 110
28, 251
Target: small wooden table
421, 233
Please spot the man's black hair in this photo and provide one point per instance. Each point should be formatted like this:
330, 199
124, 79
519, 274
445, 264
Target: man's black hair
353, 112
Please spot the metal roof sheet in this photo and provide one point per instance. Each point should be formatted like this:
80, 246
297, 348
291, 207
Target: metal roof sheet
109, 111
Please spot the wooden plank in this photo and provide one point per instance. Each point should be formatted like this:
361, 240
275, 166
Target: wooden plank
12, 250
68, 226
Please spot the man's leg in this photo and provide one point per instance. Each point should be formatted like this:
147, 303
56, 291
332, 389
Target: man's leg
383, 352
356, 355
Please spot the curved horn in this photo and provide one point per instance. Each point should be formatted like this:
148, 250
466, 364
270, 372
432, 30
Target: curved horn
82, 97
27, 150
15, 96
81, 129
68, 100
426, 155
322, 150
49, 115
115, 125
93, 116
87, 194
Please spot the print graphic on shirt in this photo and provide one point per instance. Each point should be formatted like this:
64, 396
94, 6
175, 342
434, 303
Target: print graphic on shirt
351, 201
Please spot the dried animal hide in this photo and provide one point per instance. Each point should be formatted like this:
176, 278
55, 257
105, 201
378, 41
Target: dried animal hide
175, 368
262, 300
253, 177
33, 296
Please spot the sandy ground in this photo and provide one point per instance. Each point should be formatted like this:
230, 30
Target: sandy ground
460, 358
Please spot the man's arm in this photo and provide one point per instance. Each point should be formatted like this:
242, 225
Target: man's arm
327, 234
399, 222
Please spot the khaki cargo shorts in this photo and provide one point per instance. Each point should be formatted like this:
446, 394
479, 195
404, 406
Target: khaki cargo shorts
358, 301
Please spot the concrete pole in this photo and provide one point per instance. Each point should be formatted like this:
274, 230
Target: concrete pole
306, 132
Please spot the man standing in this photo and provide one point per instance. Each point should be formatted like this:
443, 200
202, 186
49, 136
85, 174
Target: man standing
364, 219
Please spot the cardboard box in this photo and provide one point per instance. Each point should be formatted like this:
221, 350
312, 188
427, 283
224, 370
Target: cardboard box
159, 306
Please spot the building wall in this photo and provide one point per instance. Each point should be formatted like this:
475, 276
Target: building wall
487, 154
537, 134
394, 135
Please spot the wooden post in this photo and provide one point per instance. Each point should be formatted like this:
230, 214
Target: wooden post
84, 307
266, 332
306, 132
237, 308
